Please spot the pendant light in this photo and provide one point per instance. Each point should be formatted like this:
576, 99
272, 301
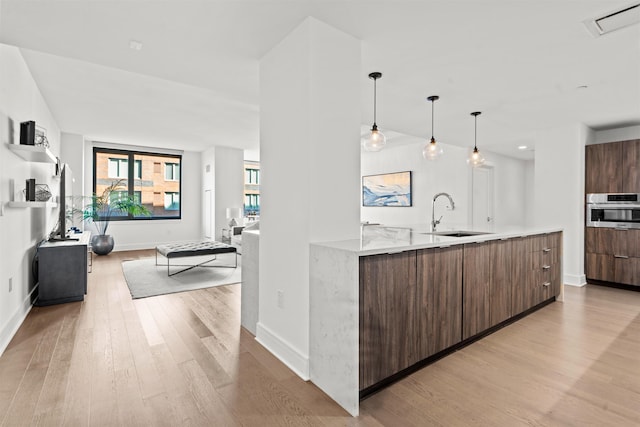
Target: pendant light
432, 150
476, 158
375, 141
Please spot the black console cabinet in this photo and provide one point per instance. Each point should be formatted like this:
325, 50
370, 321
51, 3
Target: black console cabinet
62, 271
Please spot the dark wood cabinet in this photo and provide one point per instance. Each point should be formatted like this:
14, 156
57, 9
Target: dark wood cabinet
613, 167
521, 292
501, 283
476, 279
631, 166
439, 280
613, 255
418, 303
603, 172
387, 315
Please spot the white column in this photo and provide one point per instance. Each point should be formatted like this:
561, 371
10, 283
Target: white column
223, 175
310, 173
559, 192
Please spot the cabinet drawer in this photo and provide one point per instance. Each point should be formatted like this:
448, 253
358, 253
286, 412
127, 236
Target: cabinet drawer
545, 241
626, 270
600, 267
539, 259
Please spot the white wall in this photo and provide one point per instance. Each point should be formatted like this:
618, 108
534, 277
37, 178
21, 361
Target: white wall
559, 191
20, 228
618, 134
132, 235
310, 164
450, 174
529, 195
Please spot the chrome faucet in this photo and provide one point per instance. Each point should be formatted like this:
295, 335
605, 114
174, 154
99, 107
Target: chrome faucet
435, 222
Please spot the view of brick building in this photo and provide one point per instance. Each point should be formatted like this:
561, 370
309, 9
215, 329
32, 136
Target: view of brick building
251, 189
156, 179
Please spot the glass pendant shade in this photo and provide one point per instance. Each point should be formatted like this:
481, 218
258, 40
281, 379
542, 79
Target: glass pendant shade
475, 158
432, 150
376, 140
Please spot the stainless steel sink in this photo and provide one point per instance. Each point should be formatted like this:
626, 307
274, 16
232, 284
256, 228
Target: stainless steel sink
458, 233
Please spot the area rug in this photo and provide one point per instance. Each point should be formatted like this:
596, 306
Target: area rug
145, 279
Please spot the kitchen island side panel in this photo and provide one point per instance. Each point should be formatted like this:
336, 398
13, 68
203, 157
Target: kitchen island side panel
334, 324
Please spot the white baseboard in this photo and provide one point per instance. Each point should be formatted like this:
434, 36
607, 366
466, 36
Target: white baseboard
579, 280
284, 351
14, 323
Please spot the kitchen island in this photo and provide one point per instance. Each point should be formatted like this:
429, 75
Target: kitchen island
386, 304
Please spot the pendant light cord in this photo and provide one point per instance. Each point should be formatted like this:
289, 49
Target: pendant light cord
475, 138
375, 100
432, 101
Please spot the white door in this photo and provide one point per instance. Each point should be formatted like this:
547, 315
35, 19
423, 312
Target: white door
482, 196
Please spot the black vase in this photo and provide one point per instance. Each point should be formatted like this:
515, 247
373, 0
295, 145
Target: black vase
102, 244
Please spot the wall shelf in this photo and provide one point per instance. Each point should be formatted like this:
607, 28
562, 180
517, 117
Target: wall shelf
33, 153
33, 204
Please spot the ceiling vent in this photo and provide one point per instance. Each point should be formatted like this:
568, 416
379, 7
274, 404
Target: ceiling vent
613, 21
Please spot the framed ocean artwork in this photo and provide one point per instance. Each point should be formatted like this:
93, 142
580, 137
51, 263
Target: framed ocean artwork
389, 189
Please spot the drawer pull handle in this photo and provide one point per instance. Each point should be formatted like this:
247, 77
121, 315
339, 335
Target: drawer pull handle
546, 250
621, 256
546, 284
546, 267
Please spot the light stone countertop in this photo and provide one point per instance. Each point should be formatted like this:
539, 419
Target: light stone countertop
379, 239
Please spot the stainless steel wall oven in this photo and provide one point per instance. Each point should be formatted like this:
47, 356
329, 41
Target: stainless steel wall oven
619, 210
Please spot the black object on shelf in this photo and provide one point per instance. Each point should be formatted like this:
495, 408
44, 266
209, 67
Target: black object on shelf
28, 133
31, 190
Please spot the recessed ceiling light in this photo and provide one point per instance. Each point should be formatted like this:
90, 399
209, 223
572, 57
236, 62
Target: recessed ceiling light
135, 45
522, 147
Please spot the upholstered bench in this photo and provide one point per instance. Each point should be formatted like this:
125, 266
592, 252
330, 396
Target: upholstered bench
190, 249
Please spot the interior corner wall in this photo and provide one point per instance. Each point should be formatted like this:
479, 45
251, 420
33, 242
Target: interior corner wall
559, 192
134, 235
310, 173
21, 229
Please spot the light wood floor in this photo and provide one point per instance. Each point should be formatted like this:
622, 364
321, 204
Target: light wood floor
183, 359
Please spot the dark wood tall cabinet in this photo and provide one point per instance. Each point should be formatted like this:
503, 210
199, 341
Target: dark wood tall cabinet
611, 255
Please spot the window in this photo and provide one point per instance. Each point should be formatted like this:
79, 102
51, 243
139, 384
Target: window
171, 201
118, 168
137, 169
252, 204
160, 189
171, 171
252, 176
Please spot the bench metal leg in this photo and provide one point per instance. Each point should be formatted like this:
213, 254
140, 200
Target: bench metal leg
190, 266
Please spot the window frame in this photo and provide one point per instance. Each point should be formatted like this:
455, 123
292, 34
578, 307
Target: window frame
131, 180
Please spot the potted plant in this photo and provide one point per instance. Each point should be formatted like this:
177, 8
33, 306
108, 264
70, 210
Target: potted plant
105, 206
